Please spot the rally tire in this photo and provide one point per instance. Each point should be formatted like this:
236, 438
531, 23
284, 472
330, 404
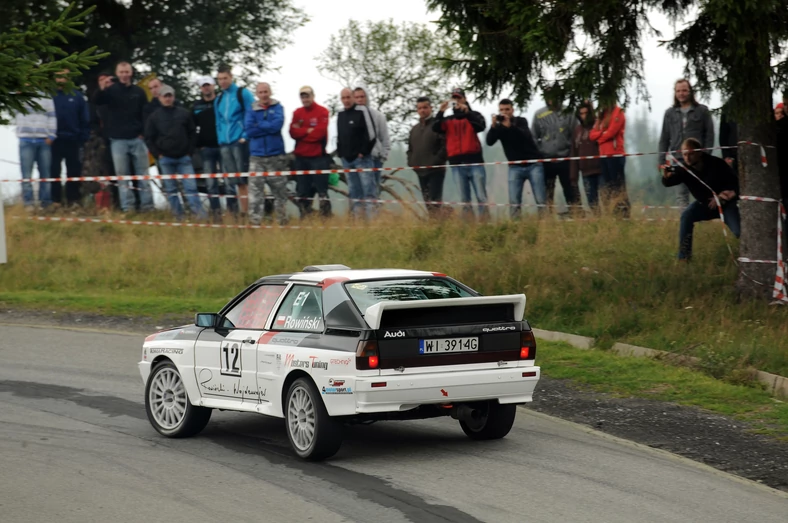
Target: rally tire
313, 434
167, 404
496, 424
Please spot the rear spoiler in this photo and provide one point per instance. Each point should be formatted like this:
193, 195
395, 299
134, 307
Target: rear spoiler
374, 313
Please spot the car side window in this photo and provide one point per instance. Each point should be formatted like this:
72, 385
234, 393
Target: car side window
253, 311
301, 310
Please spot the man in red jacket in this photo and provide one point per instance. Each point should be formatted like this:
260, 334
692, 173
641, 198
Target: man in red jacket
309, 129
463, 147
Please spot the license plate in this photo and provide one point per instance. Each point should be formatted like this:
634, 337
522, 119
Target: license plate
447, 345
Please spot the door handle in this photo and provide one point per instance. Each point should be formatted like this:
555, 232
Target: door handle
249, 340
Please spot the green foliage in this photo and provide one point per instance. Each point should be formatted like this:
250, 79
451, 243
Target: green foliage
31, 58
174, 38
395, 63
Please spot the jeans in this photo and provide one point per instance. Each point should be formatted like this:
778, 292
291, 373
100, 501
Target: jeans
135, 147
518, 174
182, 165
472, 177
700, 212
277, 184
68, 150
560, 170
37, 152
235, 159
361, 186
310, 184
592, 185
616, 183
431, 182
211, 163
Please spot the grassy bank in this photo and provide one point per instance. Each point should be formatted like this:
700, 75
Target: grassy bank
616, 281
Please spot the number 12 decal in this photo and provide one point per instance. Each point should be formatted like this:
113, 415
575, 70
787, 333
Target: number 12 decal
230, 359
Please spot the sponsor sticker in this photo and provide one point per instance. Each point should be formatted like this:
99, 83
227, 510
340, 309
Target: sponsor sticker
337, 390
358, 286
308, 323
291, 362
317, 364
166, 351
335, 383
280, 321
341, 361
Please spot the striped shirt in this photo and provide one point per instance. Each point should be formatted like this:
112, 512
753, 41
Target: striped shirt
38, 124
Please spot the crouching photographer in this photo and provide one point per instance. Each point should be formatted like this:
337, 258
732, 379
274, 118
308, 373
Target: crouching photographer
709, 172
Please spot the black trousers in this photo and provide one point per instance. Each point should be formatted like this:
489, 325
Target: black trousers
68, 150
560, 170
431, 182
310, 184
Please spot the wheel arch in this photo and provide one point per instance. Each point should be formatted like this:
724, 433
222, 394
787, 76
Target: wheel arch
158, 360
289, 379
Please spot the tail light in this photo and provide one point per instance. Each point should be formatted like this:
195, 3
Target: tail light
527, 345
367, 357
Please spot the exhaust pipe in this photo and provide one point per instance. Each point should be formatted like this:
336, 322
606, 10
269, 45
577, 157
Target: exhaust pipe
466, 413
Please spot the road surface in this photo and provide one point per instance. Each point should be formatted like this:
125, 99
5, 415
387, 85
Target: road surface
75, 445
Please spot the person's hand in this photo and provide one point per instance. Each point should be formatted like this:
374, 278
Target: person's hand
297, 124
48, 141
242, 140
507, 122
727, 195
666, 173
309, 131
360, 155
729, 161
461, 107
495, 120
443, 107
712, 203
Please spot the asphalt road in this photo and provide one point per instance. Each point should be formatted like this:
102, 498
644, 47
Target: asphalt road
75, 445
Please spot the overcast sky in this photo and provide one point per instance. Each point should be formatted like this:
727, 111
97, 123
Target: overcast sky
327, 16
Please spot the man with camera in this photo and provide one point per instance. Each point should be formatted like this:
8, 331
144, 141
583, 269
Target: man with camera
703, 173
518, 144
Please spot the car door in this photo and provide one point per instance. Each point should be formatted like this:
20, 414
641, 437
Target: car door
226, 356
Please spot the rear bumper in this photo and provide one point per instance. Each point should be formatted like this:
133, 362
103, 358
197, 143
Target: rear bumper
407, 392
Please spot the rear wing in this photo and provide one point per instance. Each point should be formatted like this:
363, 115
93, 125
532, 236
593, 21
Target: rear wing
515, 303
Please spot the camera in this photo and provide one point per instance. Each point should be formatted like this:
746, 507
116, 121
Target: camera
453, 105
500, 118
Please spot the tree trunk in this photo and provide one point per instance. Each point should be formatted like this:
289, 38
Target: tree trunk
758, 219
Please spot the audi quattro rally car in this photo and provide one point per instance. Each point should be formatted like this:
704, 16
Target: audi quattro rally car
330, 345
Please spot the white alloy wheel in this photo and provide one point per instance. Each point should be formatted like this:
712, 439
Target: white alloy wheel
301, 419
167, 397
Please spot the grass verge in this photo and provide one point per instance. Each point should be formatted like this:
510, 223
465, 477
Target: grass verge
612, 280
645, 378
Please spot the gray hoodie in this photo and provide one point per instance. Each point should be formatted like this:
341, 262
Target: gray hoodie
552, 132
383, 145
699, 126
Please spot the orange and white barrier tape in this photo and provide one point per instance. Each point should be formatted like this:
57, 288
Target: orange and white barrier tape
191, 225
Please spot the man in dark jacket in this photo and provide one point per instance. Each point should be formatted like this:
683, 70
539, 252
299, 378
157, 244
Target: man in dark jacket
463, 147
700, 172
204, 115
427, 148
73, 130
125, 128
686, 119
583, 145
355, 140
552, 129
518, 144
170, 134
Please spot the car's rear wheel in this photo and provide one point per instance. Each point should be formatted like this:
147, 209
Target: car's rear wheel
494, 422
168, 406
313, 434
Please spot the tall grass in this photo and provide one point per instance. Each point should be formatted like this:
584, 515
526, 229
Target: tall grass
613, 280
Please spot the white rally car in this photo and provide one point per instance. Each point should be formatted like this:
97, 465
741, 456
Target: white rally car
330, 345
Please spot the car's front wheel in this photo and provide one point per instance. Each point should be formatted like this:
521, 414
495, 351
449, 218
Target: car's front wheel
313, 434
494, 422
168, 406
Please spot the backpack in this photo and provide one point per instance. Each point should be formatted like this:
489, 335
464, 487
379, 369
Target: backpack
239, 94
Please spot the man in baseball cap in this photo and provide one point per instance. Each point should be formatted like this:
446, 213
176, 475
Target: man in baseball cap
207, 145
309, 129
306, 90
204, 80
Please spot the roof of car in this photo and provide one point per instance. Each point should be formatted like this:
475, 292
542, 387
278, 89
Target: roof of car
318, 276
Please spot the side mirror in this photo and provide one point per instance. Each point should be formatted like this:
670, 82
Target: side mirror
206, 319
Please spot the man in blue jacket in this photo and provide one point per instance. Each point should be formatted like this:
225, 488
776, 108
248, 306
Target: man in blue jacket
73, 130
263, 125
231, 106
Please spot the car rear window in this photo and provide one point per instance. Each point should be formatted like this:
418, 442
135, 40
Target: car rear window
368, 293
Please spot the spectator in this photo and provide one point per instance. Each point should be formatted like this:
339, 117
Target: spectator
231, 106
309, 129
583, 145
356, 140
608, 132
36, 131
463, 147
98, 153
267, 147
73, 131
154, 85
170, 134
686, 119
700, 170
781, 116
124, 123
426, 147
552, 128
204, 116
380, 154
518, 144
